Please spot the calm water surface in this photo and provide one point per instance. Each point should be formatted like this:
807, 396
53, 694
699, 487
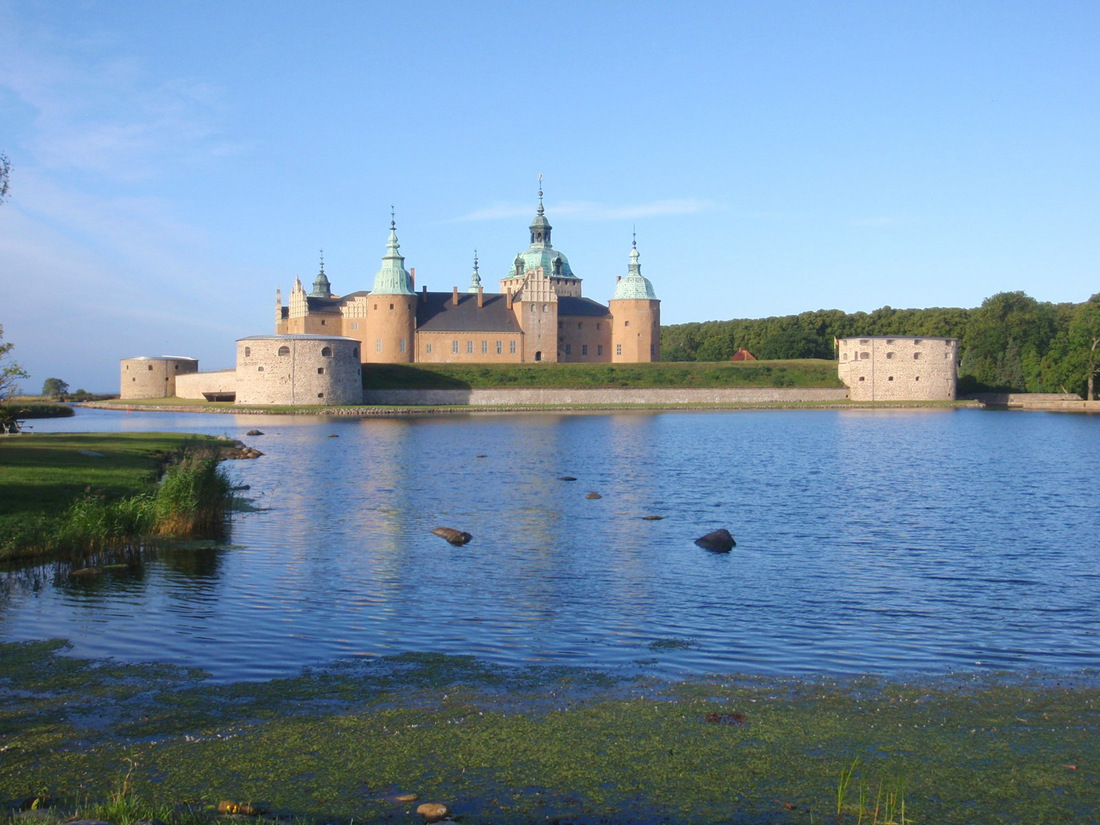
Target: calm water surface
867, 541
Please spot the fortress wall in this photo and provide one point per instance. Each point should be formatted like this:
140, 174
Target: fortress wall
298, 369
886, 368
557, 397
146, 377
195, 384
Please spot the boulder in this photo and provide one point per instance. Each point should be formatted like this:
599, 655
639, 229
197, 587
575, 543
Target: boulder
254, 432
567, 478
652, 518
720, 541
455, 537
433, 811
593, 495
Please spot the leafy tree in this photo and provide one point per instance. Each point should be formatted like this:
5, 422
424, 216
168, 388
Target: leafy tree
1009, 330
795, 343
55, 388
1084, 340
10, 372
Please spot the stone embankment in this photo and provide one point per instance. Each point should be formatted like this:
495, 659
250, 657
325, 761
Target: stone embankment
652, 396
1049, 402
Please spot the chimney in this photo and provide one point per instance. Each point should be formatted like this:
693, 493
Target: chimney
508, 297
424, 294
412, 277
454, 296
480, 297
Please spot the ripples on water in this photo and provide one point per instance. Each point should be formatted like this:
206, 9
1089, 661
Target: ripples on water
868, 541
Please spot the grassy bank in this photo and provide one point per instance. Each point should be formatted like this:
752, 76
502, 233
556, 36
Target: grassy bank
547, 745
79, 493
802, 373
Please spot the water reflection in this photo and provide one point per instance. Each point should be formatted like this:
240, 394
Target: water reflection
867, 541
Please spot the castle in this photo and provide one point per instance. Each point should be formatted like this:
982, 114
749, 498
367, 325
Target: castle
538, 315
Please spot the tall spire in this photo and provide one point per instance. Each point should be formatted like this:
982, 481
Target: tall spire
540, 227
634, 286
392, 278
475, 279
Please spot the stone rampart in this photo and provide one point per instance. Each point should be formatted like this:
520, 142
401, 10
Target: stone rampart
205, 384
146, 377
298, 370
600, 397
885, 368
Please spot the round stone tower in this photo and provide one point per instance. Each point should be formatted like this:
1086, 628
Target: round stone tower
636, 317
146, 377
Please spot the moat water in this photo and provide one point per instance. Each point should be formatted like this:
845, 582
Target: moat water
887, 542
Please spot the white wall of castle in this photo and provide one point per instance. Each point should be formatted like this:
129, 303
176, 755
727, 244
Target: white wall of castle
883, 368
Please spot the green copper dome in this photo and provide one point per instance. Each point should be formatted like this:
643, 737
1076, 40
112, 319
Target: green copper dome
321, 286
392, 278
541, 252
634, 287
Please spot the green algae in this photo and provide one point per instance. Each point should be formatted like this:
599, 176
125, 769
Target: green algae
509, 745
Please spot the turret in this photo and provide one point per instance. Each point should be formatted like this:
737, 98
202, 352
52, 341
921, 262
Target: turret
636, 316
391, 309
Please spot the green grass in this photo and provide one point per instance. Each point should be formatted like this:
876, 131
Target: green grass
802, 373
534, 745
78, 492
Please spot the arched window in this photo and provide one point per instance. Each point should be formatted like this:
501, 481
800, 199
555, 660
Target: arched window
327, 352
284, 350
247, 352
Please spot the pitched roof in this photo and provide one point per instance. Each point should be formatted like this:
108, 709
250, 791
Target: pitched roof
584, 307
436, 312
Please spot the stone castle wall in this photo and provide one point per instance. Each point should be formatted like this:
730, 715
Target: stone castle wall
883, 368
298, 369
146, 377
603, 397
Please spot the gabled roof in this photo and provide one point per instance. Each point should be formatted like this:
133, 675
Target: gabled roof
436, 312
582, 307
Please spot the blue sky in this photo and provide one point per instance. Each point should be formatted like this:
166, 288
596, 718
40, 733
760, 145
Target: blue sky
175, 162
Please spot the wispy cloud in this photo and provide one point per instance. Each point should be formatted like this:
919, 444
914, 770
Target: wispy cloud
593, 211
99, 112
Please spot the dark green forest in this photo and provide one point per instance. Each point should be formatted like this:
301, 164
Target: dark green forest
1012, 342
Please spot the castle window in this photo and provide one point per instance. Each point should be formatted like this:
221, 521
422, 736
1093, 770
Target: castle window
584, 349
391, 306
889, 355
326, 352
917, 342
889, 341
863, 342
470, 347
916, 378
355, 325
259, 369
320, 395
401, 345
916, 356
579, 325
618, 349
864, 356
597, 326
323, 322
320, 370
484, 347
376, 306
150, 368
428, 349
861, 378
284, 350
247, 352
512, 347
599, 349
355, 352
545, 307
891, 378
626, 323
378, 345
500, 347
454, 347
568, 349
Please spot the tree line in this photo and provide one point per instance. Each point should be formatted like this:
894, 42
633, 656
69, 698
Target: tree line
1012, 342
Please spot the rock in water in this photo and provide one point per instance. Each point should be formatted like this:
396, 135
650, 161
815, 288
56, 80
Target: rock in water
455, 537
720, 541
593, 495
433, 811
